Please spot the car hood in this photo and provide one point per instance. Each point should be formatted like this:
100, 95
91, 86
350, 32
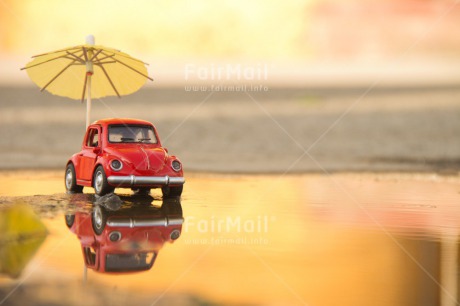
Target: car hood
141, 157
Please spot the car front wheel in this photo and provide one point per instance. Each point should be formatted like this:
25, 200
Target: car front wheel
169, 191
69, 220
71, 180
100, 184
99, 219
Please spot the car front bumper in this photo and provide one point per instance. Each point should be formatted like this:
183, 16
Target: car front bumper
138, 222
133, 180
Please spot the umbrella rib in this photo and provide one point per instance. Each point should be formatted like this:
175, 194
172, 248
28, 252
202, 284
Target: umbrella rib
106, 56
52, 59
110, 80
128, 57
96, 54
85, 54
62, 50
132, 58
133, 69
57, 75
47, 61
120, 53
78, 58
69, 58
102, 63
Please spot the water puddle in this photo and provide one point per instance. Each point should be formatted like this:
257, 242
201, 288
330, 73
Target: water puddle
307, 240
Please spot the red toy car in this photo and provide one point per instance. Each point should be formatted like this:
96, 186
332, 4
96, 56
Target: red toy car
123, 153
128, 240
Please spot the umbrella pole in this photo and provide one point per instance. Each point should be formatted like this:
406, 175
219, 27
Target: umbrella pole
85, 274
88, 100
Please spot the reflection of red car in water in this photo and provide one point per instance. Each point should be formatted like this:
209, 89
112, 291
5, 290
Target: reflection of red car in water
127, 240
123, 153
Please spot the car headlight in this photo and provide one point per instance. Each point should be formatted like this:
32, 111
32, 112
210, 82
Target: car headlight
115, 236
116, 165
175, 234
176, 165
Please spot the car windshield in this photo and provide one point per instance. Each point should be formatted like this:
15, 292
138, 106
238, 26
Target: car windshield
131, 133
129, 262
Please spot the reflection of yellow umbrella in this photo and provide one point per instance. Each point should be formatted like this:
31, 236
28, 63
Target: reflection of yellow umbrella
87, 70
21, 234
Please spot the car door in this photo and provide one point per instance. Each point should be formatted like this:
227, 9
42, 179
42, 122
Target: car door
90, 152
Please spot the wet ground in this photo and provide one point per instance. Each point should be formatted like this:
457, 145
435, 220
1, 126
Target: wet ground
343, 239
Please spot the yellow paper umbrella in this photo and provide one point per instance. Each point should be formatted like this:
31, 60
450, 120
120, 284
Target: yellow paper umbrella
89, 71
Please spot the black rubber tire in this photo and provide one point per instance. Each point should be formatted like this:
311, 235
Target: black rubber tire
70, 180
169, 191
98, 219
69, 220
100, 184
172, 207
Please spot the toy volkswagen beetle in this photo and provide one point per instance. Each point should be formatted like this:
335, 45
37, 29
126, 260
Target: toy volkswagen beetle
127, 240
123, 153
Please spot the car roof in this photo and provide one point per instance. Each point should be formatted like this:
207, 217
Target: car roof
121, 121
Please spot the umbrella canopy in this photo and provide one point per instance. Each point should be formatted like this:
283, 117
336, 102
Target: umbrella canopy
87, 71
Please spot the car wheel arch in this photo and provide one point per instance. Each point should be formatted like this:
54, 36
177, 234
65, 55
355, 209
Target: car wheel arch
97, 164
70, 162
74, 161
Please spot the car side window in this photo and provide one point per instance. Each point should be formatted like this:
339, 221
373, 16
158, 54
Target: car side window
90, 256
93, 138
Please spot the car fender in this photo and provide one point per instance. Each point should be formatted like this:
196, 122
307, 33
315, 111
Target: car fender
97, 164
73, 160
103, 160
170, 159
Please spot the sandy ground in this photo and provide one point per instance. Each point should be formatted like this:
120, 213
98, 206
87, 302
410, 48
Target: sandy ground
280, 130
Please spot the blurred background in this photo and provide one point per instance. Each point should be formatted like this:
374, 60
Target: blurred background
286, 86
281, 87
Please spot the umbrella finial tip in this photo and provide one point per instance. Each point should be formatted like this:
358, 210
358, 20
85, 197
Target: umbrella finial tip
90, 40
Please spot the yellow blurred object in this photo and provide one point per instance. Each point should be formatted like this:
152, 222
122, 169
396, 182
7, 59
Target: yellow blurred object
21, 234
89, 71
